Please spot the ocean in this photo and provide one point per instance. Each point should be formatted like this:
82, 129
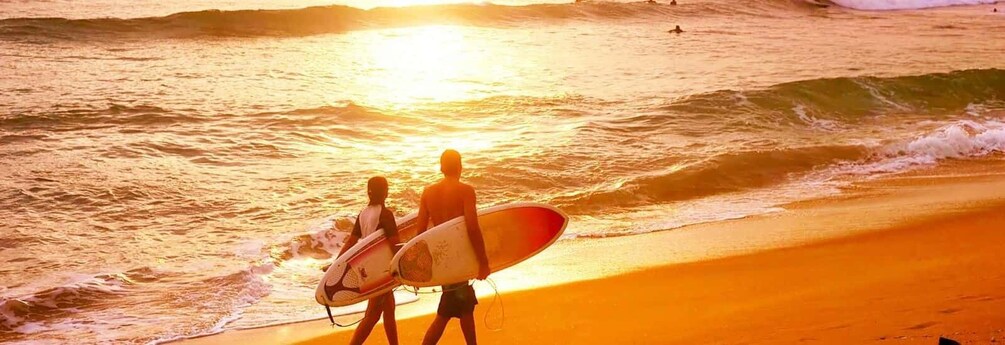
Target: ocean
174, 169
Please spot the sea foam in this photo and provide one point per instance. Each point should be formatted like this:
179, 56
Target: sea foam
905, 4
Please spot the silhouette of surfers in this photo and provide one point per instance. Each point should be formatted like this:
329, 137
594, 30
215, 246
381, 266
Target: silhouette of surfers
676, 30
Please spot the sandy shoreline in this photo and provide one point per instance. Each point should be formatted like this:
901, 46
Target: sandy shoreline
910, 259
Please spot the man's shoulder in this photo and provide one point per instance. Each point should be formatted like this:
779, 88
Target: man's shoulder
430, 188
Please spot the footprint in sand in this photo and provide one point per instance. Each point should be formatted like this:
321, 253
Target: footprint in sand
922, 325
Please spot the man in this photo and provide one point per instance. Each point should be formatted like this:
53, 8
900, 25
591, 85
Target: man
442, 201
676, 30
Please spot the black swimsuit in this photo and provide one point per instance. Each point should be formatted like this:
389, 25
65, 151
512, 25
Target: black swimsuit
457, 300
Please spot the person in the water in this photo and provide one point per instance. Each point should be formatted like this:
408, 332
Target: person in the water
442, 201
673, 2
676, 30
375, 217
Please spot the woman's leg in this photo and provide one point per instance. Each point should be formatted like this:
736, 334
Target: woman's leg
373, 309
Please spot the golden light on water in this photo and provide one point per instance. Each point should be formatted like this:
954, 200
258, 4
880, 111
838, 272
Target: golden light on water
421, 67
423, 64
421, 147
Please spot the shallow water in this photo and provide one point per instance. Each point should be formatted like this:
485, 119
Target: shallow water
170, 176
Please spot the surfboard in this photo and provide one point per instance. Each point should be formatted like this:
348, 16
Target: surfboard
512, 233
362, 271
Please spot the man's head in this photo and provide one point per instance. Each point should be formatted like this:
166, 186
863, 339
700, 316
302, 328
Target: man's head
450, 163
376, 189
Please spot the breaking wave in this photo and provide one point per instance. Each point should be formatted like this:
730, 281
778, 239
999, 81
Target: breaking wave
905, 4
336, 19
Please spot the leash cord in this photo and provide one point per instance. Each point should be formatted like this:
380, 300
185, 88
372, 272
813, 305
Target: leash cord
502, 308
379, 305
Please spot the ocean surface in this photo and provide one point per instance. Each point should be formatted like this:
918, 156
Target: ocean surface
171, 169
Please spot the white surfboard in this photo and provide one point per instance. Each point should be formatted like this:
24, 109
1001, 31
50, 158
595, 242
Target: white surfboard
512, 233
362, 271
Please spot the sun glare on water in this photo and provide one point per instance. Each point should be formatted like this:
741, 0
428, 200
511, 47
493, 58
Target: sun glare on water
423, 64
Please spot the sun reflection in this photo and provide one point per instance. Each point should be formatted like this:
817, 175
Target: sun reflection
422, 147
423, 64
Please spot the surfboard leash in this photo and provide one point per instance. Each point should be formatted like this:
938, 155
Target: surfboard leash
485, 319
329, 310
332, 319
490, 305
417, 292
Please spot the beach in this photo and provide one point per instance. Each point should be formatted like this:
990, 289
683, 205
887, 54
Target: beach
878, 278
182, 171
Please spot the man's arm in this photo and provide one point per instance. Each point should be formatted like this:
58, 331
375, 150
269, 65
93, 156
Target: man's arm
422, 220
475, 232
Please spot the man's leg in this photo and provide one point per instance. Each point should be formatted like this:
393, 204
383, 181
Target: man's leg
370, 318
435, 330
390, 324
468, 328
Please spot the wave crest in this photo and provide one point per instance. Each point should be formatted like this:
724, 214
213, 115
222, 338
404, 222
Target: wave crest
726, 173
826, 103
905, 4
63, 300
337, 18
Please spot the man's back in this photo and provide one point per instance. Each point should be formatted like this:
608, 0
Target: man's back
445, 200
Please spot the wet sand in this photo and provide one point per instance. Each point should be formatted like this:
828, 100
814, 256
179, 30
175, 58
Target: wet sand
904, 272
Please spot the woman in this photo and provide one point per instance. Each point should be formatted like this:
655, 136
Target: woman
375, 217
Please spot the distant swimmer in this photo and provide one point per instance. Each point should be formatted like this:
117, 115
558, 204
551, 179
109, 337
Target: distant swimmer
651, 1
676, 30
673, 2
996, 10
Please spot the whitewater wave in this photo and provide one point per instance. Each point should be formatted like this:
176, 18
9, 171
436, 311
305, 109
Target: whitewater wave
84, 303
873, 5
725, 173
63, 300
830, 102
958, 140
322, 242
757, 170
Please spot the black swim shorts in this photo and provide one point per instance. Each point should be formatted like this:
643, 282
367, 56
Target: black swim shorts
457, 300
